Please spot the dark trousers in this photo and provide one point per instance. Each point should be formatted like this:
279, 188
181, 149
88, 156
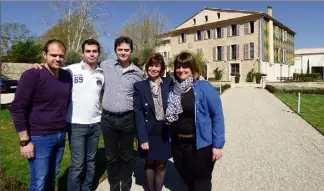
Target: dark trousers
194, 166
83, 141
119, 133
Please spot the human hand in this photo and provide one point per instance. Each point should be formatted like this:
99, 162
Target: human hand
145, 146
217, 154
27, 151
37, 66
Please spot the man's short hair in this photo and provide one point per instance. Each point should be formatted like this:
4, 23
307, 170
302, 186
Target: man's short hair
124, 39
90, 42
51, 42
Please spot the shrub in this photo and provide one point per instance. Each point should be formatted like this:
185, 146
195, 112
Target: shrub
224, 87
289, 89
258, 77
271, 89
307, 77
237, 77
218, 74
250, 76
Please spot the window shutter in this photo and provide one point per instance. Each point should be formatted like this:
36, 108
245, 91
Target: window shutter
283, 55
202, 34
246, 51
246, 28
179, 39
222, 53
228, 52
215, 33
185, 38
238, 29
286, 35
222, 32
214, 53
196, 36
228, 31
237, 52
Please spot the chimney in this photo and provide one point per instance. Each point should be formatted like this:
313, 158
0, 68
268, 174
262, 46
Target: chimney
270, 10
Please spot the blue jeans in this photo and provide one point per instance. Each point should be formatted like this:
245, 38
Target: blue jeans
83, 140
45, 166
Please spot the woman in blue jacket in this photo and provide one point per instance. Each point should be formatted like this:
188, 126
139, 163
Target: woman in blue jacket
194, 112
150, 101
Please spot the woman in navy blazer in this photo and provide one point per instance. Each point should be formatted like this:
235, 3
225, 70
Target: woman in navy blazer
150, 102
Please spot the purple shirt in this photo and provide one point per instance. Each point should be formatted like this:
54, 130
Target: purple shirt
41, 102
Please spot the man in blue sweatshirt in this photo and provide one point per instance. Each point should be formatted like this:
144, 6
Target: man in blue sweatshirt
39, 112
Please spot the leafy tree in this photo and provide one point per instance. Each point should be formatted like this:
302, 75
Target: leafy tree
70, 37
12, 33
28, 52
72, 57
142, 54
144, 28
78, 21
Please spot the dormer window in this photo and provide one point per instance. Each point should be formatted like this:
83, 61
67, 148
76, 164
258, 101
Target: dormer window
206, 18
194, 21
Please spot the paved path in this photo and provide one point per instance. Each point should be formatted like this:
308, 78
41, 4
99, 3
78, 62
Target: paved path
268, 148
7, 98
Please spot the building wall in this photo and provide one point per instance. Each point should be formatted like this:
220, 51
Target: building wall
14, 70
212, 17
315, 60
208, 44
273, 67
165, 51
288, 45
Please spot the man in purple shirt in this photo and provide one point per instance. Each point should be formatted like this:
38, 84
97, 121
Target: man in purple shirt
39, 111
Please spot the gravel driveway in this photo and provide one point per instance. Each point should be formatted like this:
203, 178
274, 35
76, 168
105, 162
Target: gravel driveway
268, 147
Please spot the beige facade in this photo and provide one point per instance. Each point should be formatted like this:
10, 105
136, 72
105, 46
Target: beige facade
230, 40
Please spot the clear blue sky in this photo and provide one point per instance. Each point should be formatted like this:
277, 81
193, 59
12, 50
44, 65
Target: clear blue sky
305, 18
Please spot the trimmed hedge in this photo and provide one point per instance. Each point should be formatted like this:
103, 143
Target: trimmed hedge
273, 89
307, 77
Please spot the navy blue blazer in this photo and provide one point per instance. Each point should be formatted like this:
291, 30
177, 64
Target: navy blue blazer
144, 106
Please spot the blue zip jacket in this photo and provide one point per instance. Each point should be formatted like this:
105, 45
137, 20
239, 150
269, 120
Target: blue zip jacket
209, 118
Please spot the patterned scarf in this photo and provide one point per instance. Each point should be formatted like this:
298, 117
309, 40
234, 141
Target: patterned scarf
174, 107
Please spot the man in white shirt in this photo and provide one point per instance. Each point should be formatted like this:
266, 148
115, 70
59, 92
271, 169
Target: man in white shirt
84, 116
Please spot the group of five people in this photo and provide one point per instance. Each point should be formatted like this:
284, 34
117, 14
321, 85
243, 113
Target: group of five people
179, 118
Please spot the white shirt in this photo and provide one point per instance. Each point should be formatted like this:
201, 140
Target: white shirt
87, 86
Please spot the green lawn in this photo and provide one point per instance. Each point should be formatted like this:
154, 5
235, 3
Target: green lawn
311, 108
17, 167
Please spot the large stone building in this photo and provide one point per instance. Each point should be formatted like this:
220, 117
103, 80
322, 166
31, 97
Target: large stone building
312, 57
235, 41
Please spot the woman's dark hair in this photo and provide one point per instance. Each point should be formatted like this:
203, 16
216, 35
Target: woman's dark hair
124, 39
186, 60
51, 42
155, 60
90, 42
